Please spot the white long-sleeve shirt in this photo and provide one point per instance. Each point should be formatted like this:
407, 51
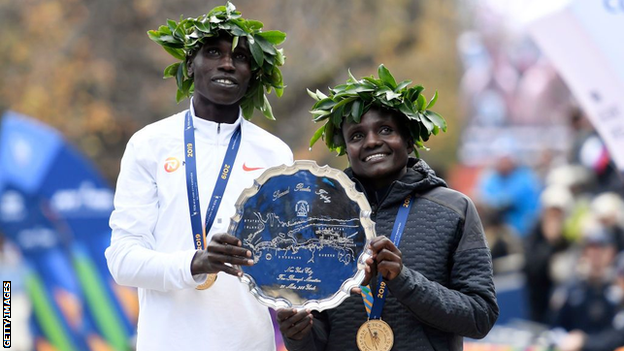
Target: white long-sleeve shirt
152, 244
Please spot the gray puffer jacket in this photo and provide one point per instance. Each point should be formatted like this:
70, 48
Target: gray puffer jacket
445, 290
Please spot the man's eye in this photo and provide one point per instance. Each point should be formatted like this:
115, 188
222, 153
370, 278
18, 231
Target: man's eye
241, 57
212, 52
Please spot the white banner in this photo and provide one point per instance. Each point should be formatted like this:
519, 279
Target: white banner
584, 41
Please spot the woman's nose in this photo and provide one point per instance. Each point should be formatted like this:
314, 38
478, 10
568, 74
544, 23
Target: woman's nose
371, 140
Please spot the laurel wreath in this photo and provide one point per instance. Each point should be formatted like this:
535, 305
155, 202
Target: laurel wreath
182, 39
349, 101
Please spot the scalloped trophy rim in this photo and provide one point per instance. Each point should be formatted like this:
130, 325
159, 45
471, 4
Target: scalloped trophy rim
367, 223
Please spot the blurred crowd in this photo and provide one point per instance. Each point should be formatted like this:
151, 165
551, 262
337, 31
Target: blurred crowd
549, 195
564, 229
558, 218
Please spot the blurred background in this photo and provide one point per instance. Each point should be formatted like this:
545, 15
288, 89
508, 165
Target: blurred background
79, 77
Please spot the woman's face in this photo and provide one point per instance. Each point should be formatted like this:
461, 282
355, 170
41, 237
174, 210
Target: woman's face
377, 150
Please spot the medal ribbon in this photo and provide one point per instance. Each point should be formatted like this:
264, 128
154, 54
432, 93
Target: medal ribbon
199, 233
374, 304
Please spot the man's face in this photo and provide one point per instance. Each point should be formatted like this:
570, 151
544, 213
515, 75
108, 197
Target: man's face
598, 258
221, 75
505, 165
376, 149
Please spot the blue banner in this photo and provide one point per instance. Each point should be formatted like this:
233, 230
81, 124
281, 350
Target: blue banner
55, 206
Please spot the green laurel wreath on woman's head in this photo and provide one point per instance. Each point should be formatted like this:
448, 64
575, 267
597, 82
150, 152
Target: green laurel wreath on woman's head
348, 102
183, 39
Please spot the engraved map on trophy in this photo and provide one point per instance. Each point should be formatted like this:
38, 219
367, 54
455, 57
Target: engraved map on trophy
307, 228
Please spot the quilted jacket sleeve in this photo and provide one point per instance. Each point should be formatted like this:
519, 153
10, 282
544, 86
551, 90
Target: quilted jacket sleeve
465, 306
316, 339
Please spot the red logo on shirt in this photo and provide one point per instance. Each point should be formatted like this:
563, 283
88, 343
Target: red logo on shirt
249, 169
171, 164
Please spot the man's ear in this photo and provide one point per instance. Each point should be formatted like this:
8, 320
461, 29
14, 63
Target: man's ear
189, 66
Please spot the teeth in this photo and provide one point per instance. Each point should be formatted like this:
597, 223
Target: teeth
374, 157
224, 81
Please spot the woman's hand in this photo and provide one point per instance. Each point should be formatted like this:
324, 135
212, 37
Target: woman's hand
387, 259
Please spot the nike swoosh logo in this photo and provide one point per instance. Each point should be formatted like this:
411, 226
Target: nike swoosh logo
249, 169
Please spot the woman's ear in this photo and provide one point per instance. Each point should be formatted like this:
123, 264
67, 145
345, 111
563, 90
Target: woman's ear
410, 146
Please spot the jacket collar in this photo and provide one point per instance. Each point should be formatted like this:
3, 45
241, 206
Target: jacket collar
418, 179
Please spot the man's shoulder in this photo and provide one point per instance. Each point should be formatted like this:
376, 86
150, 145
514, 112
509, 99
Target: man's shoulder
171, 126
262, 138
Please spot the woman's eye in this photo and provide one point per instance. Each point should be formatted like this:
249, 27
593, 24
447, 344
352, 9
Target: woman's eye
386, 130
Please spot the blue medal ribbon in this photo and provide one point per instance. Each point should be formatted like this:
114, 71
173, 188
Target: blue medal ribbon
379, 299
199, 233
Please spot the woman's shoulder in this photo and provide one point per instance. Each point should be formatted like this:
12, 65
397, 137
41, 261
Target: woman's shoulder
449, 198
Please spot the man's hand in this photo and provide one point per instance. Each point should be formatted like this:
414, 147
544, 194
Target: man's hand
295, 324
223, 248
386, 258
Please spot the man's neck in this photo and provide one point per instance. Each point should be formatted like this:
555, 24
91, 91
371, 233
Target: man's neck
216, 113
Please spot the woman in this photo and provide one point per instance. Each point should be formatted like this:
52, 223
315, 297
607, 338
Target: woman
436, 274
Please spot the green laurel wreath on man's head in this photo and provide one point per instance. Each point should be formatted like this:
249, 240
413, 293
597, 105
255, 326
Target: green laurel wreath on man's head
348, 102
183, 39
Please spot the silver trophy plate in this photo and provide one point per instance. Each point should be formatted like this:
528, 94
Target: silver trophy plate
308, 230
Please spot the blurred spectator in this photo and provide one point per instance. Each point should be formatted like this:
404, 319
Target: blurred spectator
589, 151
588, 303
608, 339
547, 160
594, 155
608, 208
581, 129
510, 188
505, 245
573, 176
541, 247
578, 180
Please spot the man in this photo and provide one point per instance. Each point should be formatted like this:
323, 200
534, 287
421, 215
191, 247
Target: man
194, 161
609, 338
435, 266
545, 244
587, 301
510, 188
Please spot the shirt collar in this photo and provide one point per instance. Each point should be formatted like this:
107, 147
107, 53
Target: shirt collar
223, 125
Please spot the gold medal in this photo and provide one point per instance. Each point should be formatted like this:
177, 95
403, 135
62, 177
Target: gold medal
375, 335
210, 280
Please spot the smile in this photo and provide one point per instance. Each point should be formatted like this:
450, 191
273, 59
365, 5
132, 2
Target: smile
374, 157
225, 82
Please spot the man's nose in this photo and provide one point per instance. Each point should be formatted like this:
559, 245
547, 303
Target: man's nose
226, 63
